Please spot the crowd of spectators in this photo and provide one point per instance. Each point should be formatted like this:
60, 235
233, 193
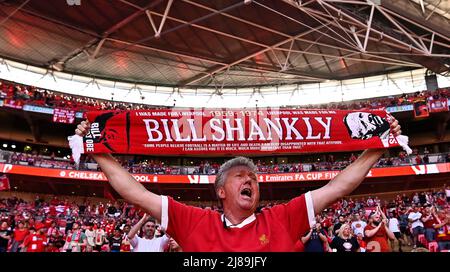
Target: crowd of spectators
383, 102
23, 94
420, 219
141, 165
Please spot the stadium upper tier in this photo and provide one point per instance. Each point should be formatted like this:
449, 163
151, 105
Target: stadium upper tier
16, 95
315, 94
235, 43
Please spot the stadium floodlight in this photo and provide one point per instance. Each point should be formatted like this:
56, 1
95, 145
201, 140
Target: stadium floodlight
13, 146
5, 145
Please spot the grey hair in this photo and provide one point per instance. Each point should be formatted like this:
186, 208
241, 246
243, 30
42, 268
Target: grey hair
224, 168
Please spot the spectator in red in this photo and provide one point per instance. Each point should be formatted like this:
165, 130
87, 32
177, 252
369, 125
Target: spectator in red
377, 233
429, 220
238, 190
361, 242
37, 240
442, 227
20, 232
418, 159
55, 241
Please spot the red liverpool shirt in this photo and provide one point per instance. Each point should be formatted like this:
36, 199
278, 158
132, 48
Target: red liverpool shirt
276, 229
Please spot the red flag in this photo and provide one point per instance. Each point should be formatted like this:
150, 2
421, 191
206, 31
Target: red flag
4, 183
108, 192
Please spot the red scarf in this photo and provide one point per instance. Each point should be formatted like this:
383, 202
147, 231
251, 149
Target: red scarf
77, 237
222, 132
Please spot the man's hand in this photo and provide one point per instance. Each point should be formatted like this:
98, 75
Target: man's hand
83, 128
395, 127
145, 217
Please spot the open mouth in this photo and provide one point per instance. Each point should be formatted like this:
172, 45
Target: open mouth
246, 192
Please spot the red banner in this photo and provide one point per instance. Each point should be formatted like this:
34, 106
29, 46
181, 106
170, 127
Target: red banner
209, 179
230, 132
438, 105
4, 183
64, 116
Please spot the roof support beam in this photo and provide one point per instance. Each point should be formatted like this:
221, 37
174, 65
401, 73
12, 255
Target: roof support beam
400, 27
369, 25
14, 12
163, 20
106, 34
219, 69
398, 43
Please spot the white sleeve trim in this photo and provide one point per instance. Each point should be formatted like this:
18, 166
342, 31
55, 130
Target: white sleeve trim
310, 209
164, 212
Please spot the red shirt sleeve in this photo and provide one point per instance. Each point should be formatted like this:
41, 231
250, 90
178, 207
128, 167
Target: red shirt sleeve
297, 216
183, 219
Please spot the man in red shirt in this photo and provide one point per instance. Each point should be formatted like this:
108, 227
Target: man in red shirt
429, 220
36, 241
442, 226
377, 233
239, 228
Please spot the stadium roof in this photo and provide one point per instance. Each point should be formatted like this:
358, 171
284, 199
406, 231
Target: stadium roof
190, 43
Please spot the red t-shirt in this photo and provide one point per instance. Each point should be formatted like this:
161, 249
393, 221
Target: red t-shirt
443, 233
276, 229
35, 243
429, 223
378, 242
19, 235
109, 229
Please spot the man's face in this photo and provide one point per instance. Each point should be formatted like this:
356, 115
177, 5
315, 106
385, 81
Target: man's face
149, 229
241, 190
126, 229
342, 219
364, 125
376, 218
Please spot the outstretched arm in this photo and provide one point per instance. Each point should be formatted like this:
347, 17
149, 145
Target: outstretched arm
346, 181
119, 178
350, 178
